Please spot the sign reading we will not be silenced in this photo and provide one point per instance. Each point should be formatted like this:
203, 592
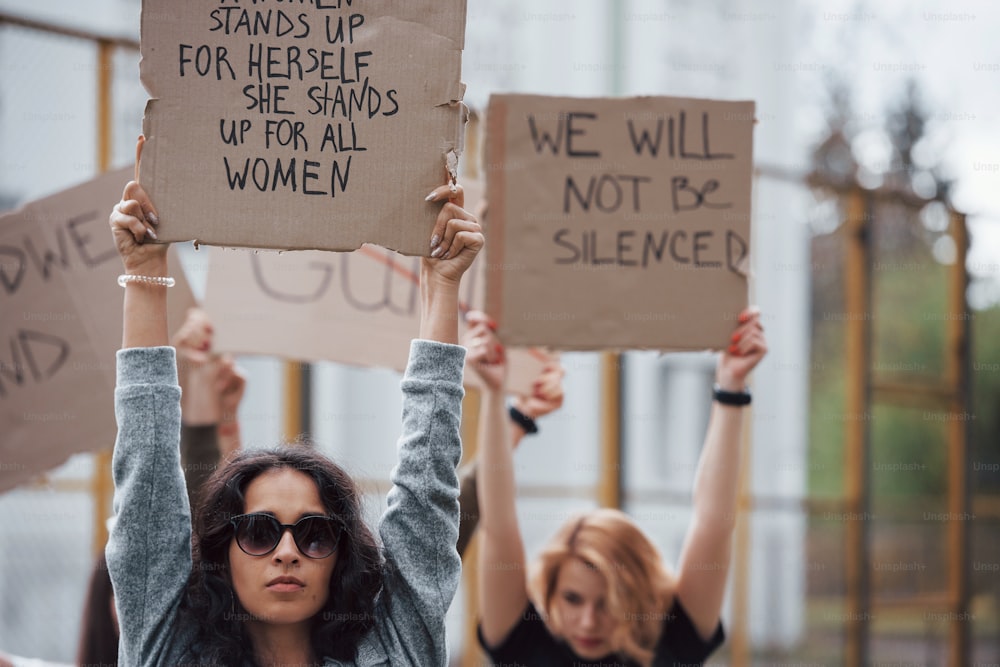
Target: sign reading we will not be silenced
318, 124
618, 223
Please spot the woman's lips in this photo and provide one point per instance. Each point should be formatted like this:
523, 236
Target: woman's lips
285, 585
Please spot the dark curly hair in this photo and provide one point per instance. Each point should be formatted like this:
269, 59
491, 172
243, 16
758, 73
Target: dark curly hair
99, 635
356, 580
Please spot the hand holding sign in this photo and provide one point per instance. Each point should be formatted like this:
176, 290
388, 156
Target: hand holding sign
748, 347
486, 353
145, 311
488, 358
457, 237
456, 240
133, 220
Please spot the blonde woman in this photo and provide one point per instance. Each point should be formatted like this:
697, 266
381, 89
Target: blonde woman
600, 592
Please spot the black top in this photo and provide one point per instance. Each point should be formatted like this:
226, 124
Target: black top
530, 644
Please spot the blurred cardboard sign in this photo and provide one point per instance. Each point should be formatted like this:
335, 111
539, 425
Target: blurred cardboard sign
61, 327
301, 125
360, 308
618, 223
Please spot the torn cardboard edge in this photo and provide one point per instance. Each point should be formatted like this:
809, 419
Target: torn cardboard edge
535, 198
178, 122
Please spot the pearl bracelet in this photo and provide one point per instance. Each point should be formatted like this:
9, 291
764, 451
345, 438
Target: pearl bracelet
127, 278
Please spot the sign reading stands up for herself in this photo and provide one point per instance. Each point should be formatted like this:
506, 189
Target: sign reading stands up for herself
618, 223
299, 125
61, 326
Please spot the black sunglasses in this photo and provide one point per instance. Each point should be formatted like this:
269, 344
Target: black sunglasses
258, 534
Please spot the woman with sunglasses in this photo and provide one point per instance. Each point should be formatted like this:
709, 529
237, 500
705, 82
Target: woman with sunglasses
280, 568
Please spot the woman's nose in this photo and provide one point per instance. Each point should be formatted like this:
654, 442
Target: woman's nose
286, 551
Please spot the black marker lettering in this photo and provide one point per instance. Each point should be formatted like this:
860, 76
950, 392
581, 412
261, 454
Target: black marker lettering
279, 295
12, 268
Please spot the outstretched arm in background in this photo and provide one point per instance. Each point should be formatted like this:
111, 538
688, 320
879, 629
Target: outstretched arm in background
546, 397
212, 387
502, 577
704, 563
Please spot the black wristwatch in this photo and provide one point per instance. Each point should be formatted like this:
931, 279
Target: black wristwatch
736, 398
524, 421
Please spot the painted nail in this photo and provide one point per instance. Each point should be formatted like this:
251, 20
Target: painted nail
733, 349
152, 234
435, 240
431, 196
153, 218
437, 251
736, 337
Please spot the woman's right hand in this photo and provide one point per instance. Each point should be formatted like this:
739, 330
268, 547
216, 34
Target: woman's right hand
133, 222
457, 237
546, 392
486, 354
194, 339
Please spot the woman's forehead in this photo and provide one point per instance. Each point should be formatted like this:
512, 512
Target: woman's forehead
581, 576
285, 492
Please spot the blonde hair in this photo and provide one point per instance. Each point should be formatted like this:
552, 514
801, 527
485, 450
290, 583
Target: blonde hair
640, 588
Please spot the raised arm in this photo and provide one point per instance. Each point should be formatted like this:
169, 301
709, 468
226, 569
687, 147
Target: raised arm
149, 549
133, 222
456, 240
705, 557
420, 524
211, 389
546, 397
502, 576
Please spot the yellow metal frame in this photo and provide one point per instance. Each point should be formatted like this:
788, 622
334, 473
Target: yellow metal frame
951, 391
857, 313
103, 485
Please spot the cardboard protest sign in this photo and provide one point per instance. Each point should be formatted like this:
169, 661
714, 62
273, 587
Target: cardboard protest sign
618, 223
61, 327
360, 308
318, 124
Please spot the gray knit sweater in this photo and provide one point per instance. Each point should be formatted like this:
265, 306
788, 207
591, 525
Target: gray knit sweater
149, 550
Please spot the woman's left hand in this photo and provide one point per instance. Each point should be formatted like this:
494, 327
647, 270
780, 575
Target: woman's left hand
457, 236
486, 354
748, 346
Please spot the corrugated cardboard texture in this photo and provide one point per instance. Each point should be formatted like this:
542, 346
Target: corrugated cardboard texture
315, 125
618, 223
61, 326
360, 308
